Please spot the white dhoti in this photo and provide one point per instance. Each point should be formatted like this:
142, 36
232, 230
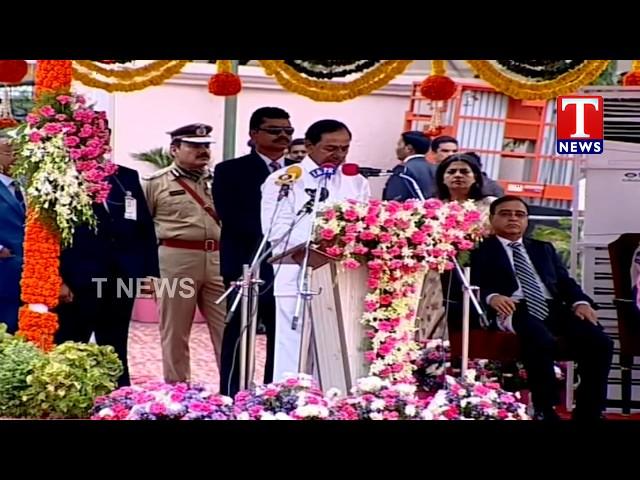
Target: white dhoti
287, 351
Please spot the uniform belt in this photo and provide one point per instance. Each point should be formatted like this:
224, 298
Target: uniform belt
205, 245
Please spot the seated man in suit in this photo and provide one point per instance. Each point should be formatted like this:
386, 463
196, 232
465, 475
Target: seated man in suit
12, 218
527, 290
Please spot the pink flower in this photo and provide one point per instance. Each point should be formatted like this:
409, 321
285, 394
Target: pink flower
390, 415
373, 284
61, 117
395, 264
351, 228
349, 238
370, 306
377, 252
389, 223
394, 251
270, 393
327, 233
86, 132
367, 235
64, 99
481, 390
502, 414
360, 249
47, 111
71, 141
452, 413
370, 220
385, 299
351, 263
385, 326
507, 398
350, 215
157, 408
177, 396
32, 119
35, 137
465, 245
370, 356
329, 214
418, 237
385, 237
334, 251
52, 128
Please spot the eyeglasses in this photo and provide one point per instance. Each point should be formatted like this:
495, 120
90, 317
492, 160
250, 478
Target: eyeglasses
278, 130
453, 171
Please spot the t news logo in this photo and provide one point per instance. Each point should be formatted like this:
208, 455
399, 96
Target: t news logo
580, 125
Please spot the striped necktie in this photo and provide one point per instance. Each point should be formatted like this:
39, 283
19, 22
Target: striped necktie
536, 303
274, 166
18, 193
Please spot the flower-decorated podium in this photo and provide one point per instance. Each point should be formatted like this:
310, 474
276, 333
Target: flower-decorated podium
335, 343
369, 263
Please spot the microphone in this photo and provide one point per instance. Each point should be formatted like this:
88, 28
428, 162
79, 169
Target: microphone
288, 178
352, 169
325, 170
308, 207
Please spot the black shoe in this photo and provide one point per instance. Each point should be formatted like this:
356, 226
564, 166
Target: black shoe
547, 415
261, 330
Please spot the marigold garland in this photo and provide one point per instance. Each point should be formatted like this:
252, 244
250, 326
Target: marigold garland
40, 284
129, 80
327, 91
53, 76
528, 90
7, 122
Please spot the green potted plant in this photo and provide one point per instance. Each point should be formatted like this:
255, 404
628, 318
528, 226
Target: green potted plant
156, 156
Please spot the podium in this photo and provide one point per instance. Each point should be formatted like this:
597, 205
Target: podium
333, 337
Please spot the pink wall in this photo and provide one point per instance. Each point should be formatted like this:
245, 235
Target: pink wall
141, 118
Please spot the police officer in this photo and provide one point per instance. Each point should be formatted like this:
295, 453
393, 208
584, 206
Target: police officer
188, 230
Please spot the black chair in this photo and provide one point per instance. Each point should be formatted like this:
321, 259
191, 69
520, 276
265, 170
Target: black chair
621, 253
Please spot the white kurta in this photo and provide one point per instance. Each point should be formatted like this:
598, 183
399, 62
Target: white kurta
340, 187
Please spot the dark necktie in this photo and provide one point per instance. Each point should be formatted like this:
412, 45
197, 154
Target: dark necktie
274, 166
18, 193
536, 303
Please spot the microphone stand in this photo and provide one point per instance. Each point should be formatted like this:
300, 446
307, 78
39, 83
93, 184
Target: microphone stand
247, 297
467, 292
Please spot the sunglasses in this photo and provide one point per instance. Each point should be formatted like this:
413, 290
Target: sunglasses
453, 171
278, 130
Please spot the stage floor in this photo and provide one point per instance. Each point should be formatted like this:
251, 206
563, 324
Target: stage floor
145, 357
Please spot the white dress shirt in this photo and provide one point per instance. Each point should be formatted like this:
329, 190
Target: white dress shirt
505, 323
339, 186
268, 161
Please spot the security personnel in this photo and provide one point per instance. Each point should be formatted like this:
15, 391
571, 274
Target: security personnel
188, 231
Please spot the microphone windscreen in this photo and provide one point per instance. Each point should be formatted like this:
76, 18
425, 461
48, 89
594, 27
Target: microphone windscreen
350, 169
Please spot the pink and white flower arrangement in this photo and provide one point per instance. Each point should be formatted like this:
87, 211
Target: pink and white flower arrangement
466, 399
161, 401
376, 399
397, 243
295, 398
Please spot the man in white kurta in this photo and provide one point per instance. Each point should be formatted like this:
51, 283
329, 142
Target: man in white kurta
327, 143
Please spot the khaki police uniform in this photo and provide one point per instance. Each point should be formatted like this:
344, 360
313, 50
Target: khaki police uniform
189, 259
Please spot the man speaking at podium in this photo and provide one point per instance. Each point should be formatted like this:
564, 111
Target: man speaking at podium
285, 194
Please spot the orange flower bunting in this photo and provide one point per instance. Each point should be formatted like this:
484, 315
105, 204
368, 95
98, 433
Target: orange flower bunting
53, 75
225, 83
40, 282
631, 79
438, 87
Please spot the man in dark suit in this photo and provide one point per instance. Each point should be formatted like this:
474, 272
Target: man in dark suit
101, 270
237, 193
12, 219
411, 150
527, 290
